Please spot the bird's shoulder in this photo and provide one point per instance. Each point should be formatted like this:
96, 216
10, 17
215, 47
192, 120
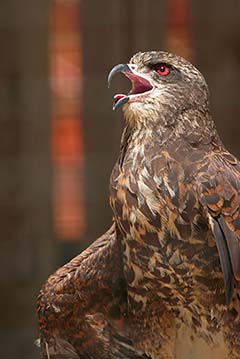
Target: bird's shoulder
79, 264
82, 299
98, 267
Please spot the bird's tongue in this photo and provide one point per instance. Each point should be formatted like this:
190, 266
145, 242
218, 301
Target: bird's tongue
119, 96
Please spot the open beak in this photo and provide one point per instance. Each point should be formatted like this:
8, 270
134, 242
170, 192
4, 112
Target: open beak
140, 84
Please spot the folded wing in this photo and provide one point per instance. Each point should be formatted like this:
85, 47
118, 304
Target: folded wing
219, 187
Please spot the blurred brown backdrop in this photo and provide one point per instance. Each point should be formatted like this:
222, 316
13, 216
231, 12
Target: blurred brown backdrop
109, 32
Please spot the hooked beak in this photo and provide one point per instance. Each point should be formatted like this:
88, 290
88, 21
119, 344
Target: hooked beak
140, 84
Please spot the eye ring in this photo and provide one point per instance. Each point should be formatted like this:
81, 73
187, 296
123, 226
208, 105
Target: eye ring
163, 70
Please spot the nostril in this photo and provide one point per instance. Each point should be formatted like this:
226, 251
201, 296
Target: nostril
133, 67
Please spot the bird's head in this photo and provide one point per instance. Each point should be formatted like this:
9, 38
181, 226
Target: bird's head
163, 85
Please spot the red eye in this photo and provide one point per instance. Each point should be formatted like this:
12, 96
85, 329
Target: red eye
163, 70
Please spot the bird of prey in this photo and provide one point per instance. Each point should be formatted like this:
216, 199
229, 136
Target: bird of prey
168, 270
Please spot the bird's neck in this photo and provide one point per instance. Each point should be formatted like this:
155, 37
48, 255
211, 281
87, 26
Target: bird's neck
168, 127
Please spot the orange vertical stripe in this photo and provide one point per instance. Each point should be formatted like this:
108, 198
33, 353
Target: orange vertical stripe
67, 136
179, 28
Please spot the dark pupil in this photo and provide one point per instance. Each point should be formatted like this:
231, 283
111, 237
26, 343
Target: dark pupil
162, 68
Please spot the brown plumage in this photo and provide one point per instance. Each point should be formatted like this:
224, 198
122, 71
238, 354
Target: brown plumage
171, 262
82, 307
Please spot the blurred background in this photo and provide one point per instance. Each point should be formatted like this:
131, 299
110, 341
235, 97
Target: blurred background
58, 136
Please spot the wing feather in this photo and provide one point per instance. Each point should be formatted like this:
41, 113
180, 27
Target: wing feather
225, 259
81, 306
220, 195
